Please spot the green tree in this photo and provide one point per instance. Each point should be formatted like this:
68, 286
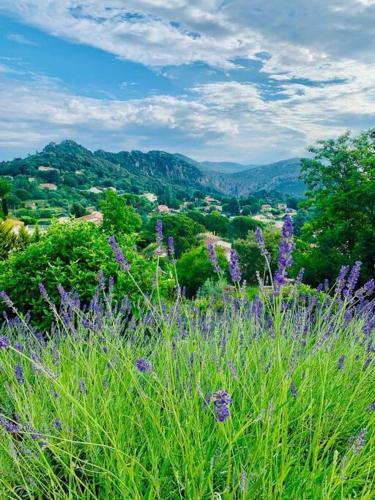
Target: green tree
194, 268
217, 223
340, 180
118, 217
240, 226
78, 210
183, 229
4, 194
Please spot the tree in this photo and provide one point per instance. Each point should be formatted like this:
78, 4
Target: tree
194, 268
217, 223
78, 210
4, 194
183, 229
240, 226
340, 181
118, 217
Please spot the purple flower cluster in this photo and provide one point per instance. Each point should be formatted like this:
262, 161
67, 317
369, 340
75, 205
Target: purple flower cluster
221, 400
171, 249
234, 268
124, 264
213, 257
4, 342
18, 371
260, 242
143, 365
285, 260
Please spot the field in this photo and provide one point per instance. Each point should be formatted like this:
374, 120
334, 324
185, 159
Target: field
272, 398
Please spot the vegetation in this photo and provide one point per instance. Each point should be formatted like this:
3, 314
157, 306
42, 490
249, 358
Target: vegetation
270, 398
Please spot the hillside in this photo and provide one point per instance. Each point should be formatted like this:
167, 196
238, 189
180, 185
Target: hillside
282, 176
68, 171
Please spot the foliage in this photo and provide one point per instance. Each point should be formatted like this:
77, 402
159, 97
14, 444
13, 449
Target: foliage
261, 399
251, 260
240, 226
4, 195
118, 217
182, 228
217, 223
341, 188
72, 255
194, 269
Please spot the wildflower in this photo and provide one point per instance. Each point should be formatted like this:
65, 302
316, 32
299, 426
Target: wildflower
352, 279
367, 362
234, 269
213, 257
293, 390
4, 342
143, 365
18, 347
18, 371
159, 232
371, 407
340, 282
57, 424
82, 387
285, 259
101, 280
260, 242
9, 426
341, 362
359, 442
43, 292
6, 299
119, 256
221, 400
171, 248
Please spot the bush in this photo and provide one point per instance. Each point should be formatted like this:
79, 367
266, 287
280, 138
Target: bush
72, 255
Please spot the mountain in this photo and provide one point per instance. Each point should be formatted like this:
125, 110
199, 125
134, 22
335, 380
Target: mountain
74, 172
282, 176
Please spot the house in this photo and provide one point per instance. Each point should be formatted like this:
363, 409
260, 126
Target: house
266, 208
217, 242
48, 185
209, 199
151, 197
30, 204
282, 206
43, 168
163, 209
94, 217
95, 190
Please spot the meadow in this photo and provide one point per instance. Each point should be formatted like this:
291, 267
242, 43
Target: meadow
265, 398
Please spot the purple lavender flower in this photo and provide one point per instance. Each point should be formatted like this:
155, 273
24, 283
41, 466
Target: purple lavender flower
221, 400
119, 256
159, 232
352, 279
260, 242
340, 282
18, 371
367, 363
371, 408
4, 342
293, 390
285, 260
6, 299
18, 347
43, 292
234, 269
57, 424
143, 365
359, 442
213, 257
9, 426
82, 387
171, 248
341, 362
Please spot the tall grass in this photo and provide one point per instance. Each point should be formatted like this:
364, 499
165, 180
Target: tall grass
110, 406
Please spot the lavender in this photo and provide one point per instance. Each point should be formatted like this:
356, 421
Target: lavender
359, 442
159, 233
260, 242
213, 257
341, 362
119, 256
171, 249
221, 400
285, 260
4, 342
82, 387
293, 390
234, 269
43, 292
18, 371
9, 426
143, 365
352, 279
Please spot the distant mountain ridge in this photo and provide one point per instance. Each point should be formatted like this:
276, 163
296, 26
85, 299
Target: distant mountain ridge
136, 171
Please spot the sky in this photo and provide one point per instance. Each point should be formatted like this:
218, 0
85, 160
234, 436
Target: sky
251, 81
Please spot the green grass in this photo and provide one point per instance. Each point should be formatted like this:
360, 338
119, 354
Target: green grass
136, 435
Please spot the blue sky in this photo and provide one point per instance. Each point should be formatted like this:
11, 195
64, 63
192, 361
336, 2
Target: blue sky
238, 80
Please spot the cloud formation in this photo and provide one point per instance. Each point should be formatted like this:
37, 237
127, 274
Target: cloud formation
317, 57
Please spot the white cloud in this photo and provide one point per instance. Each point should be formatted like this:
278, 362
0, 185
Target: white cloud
19, 38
